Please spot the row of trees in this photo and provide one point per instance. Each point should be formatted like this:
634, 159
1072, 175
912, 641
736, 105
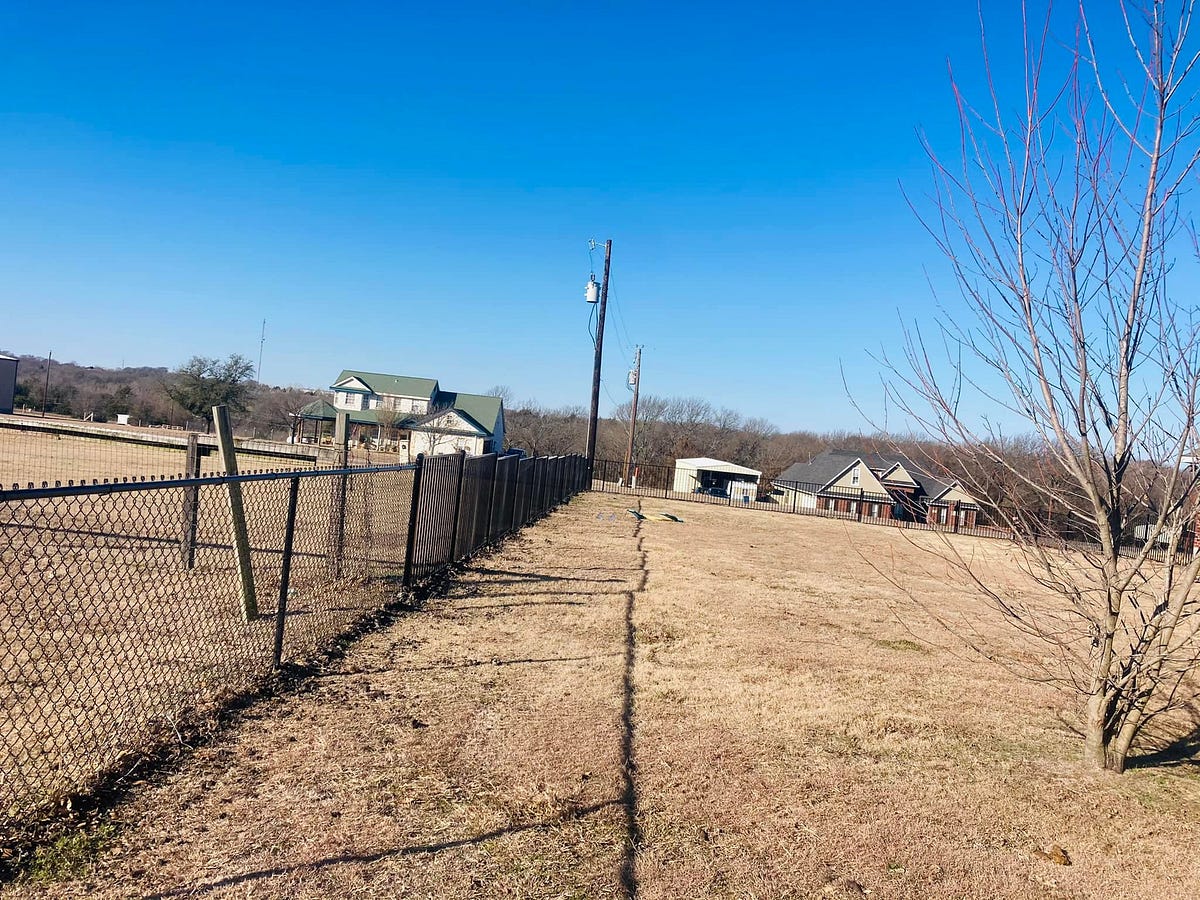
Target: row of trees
670, 428
158, 396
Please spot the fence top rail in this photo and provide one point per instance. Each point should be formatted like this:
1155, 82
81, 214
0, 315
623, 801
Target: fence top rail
150, 483
119, 434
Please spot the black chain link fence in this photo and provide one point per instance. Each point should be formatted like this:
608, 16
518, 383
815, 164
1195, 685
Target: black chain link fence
131, 608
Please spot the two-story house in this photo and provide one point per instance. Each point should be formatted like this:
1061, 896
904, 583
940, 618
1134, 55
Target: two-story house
410, 415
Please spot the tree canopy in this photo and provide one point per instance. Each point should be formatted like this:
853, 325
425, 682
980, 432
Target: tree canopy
204, 382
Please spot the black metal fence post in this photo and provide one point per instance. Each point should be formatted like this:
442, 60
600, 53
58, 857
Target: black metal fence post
285, 573
411, 541
458, 487
191, 503
337, 508
516, 497
497, 491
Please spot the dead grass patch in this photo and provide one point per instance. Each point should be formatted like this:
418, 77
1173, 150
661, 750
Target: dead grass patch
790, 738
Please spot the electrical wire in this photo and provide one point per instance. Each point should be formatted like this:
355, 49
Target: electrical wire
613, 400
627, 343
612, 302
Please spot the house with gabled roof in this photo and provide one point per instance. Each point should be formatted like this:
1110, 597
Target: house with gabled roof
411, 415
358, 391
470, 422
874, 485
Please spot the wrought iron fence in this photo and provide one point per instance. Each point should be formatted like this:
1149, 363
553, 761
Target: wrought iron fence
860, 505
132, 607
799, 498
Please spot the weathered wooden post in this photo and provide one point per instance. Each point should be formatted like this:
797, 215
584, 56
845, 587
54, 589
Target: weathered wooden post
237, 513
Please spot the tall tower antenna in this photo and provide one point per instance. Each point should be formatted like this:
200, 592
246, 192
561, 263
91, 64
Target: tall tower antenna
262, 340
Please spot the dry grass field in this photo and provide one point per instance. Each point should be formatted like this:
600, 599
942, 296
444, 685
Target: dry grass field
34, 457
109, 640
727, 707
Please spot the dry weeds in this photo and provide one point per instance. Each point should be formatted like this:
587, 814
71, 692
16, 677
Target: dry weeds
789, 738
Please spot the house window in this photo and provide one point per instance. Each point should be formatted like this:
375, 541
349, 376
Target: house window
854, 475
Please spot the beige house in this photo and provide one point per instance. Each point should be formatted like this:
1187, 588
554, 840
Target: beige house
876, 486
408, 415
470, 422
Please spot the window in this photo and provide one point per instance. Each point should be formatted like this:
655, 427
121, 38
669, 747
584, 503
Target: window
854, 475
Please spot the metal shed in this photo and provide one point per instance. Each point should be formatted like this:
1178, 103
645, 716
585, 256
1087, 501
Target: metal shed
8, 382
716, 477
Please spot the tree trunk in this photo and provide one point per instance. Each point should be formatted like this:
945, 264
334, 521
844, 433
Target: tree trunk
1095, 741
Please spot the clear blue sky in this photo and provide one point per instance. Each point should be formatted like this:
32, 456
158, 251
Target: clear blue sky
410, 188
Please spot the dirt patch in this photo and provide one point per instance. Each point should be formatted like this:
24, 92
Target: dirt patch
726, 707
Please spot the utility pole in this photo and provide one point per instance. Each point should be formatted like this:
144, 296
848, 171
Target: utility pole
636, 377
593, 418
46, 389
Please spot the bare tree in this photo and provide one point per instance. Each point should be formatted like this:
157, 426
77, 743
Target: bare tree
1061, 223
545, 432
389, 419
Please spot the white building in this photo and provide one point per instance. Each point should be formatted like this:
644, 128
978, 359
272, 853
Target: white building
410, 415
716, 477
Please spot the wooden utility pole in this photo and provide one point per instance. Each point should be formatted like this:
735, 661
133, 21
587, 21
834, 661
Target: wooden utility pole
593, 418
637, 381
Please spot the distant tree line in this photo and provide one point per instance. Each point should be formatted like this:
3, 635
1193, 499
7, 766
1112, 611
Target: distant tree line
159, 396
670, 428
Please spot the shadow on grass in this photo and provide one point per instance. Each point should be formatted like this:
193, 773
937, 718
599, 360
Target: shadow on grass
521, 577
413, 850
1172, 750
473, 663
629, 794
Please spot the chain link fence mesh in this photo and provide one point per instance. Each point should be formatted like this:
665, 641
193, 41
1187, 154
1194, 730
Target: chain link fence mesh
125, 614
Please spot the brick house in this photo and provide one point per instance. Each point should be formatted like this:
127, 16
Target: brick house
877, 486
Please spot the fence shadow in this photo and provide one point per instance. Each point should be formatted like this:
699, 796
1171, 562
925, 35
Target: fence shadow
412, 850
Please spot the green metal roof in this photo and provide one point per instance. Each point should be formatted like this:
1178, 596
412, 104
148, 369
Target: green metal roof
327, 412
484, 410
396, 385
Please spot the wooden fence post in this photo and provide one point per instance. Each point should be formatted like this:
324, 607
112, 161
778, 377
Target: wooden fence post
237, 513
337, 504
191, 503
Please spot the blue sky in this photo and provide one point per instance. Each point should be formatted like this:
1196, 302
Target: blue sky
409, 189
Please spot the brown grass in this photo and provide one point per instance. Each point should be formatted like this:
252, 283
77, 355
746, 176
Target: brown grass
788, 737
110, 643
